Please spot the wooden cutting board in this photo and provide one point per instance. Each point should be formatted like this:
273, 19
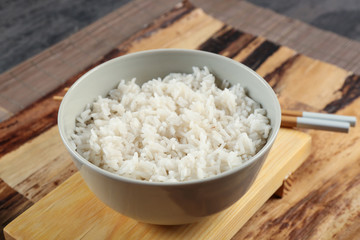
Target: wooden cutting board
72, 211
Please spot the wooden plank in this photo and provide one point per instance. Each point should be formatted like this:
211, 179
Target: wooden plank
44, 165
221, 40
187, 32
28, 124
12, 204
249, 49
92, 46
53, 66
47, 178
4, 113
349, 92
227, 41
11, 106
236, 46
276, 60
102, 29
121, 25
73, 200
12, 88
38, 81
260, 54
297, 81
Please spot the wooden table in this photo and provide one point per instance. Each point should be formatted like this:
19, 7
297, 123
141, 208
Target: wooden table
323, 201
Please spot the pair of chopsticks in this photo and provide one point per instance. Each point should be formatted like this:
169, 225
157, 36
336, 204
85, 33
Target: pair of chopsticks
321, 121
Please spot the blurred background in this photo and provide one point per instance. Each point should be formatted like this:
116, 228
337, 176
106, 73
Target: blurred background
29, 26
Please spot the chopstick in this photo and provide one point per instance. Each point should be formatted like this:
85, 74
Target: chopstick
320, 121
325, 116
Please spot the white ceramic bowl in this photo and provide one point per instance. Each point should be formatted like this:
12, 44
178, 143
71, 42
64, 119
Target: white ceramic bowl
166, 203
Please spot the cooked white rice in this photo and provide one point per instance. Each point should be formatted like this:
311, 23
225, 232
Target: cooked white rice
175, 129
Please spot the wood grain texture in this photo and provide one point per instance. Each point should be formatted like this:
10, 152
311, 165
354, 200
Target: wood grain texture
297, 81
250, 48
324, 189
12, 204
44, 73
349, 91
222, 39
29, 123
282, 30
260, 54
327, 208
277, 59
73, 199
44, 165
186, 33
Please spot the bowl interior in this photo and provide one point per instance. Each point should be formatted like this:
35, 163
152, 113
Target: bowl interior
158, 63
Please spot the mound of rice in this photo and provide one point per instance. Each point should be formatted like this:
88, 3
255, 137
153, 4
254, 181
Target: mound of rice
179, 128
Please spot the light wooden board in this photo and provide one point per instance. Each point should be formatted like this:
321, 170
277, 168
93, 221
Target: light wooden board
71, 211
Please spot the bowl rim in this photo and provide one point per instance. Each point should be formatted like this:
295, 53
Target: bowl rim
114, 176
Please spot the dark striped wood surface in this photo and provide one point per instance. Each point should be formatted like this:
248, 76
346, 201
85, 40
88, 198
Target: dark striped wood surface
324, 188
313, 42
